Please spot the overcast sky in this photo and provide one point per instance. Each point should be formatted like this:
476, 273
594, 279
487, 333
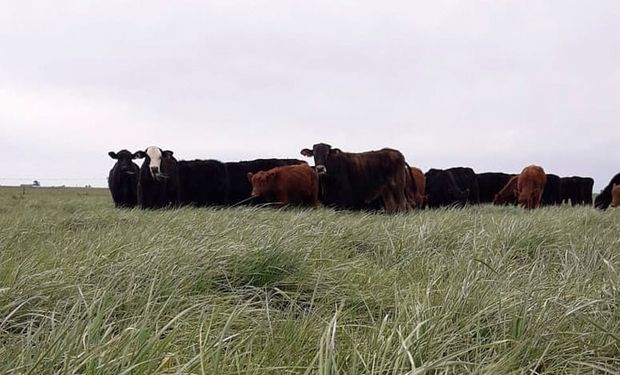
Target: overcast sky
495, 85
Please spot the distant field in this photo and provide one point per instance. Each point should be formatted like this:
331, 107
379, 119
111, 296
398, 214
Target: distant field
87, 288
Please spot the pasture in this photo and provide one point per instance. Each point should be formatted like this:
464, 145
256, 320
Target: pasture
87, 288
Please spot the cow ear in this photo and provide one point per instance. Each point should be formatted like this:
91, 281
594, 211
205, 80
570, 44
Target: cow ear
307, 153
250, 176
167, 153
139, 155
113, 155
335, 151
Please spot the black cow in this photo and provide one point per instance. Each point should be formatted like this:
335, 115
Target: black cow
466, 180
603, 200
552, 195
576, 189
123, 179
203, 183
158, 185
587, 185
491, 183
360, 180
443, 190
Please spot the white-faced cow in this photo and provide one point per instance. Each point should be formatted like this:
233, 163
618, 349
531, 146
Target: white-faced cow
158, 185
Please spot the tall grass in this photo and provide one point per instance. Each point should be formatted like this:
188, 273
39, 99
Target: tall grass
87, 288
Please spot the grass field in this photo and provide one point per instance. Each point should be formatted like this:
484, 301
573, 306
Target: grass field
87, 288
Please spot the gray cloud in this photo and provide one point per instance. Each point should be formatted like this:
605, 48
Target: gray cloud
492, 85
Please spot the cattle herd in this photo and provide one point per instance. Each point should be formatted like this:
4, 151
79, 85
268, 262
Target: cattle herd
373, 180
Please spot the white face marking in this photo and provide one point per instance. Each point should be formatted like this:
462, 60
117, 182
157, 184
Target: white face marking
154, 154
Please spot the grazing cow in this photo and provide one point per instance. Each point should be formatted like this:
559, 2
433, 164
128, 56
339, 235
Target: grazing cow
615, 196
291, 184
490, 183
530, 186
356, 180
508, 194
158, 184
604, 199
466, 180
443, 190
577, 190
552, 195
123, 179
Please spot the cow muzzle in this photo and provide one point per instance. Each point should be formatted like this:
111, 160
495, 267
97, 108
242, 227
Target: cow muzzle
321, 169
155, 172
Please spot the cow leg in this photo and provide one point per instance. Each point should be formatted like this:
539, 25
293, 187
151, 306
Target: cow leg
539, 198
398, 188
401, 201
315, 198
388, 201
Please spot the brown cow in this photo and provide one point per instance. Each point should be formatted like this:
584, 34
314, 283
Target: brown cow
356, 180
291, 184
508, 193
530, 186
615, 195
420, 182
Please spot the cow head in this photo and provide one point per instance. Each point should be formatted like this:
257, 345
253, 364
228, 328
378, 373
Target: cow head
152, 158
124, 161
261, 182
321, 152
615, 195
527, 197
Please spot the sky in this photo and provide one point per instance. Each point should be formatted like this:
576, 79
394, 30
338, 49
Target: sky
494, 85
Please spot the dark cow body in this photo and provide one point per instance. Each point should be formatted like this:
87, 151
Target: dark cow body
552, 195
442, 189
577, 190
603, 200
491, 183
466, 180
203, 183
123, 179
158, 188
359, 180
